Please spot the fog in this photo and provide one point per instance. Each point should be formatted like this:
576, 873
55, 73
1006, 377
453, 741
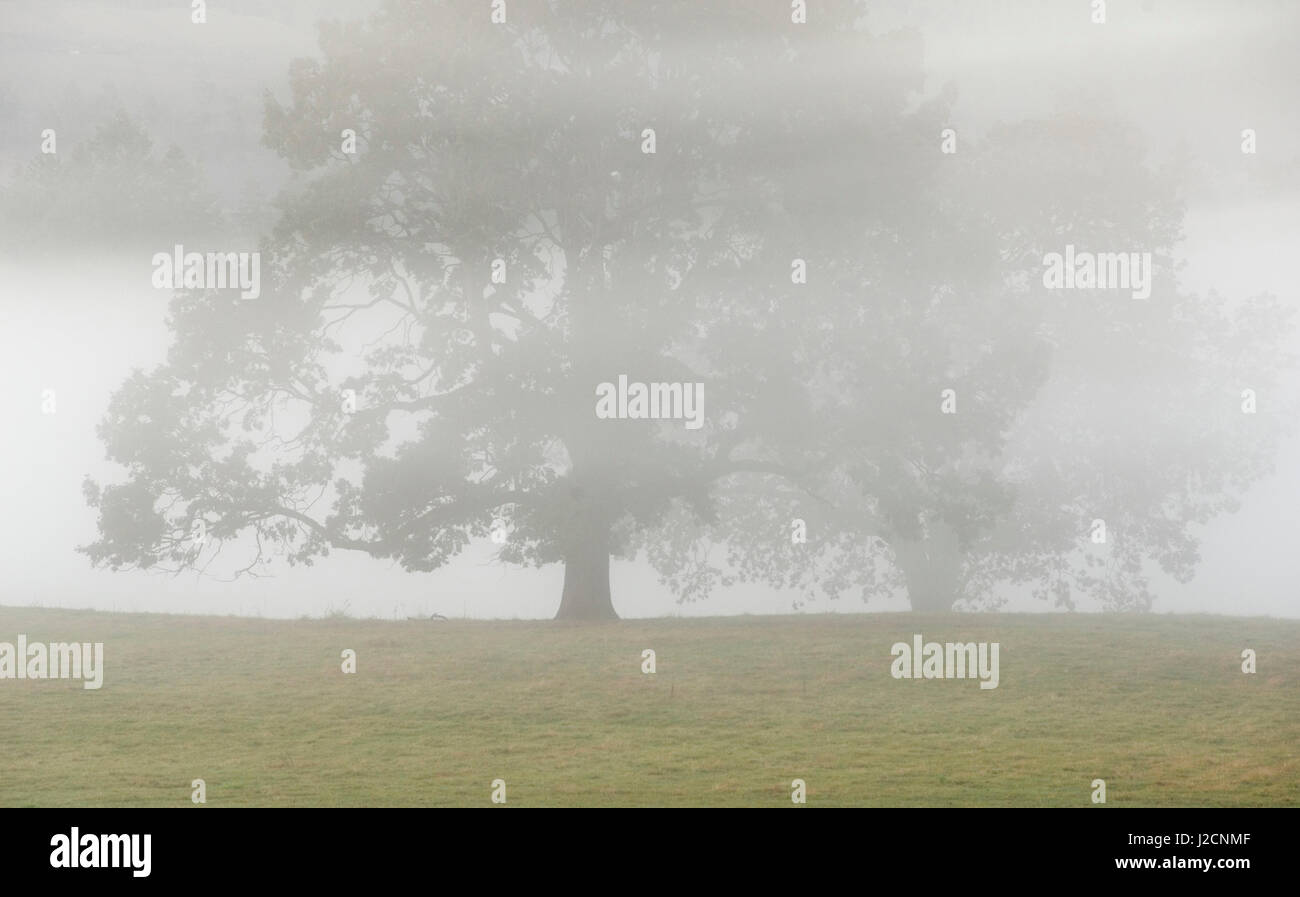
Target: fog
79, 310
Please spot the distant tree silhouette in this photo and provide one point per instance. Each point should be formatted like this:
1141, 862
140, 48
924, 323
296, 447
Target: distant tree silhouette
109, 193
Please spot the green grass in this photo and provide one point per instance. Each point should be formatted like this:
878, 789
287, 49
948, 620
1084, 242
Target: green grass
1155, 705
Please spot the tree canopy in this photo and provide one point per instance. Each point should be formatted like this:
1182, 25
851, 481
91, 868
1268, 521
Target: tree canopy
688, 193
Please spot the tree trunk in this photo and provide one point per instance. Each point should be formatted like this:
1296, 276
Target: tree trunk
932, 568
586, 578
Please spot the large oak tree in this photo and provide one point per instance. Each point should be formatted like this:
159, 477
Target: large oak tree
386, 393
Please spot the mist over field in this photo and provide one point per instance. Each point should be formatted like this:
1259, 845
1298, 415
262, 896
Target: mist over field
595, 403
825, 396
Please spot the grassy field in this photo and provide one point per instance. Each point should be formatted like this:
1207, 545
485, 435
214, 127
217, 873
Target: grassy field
1157, 706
